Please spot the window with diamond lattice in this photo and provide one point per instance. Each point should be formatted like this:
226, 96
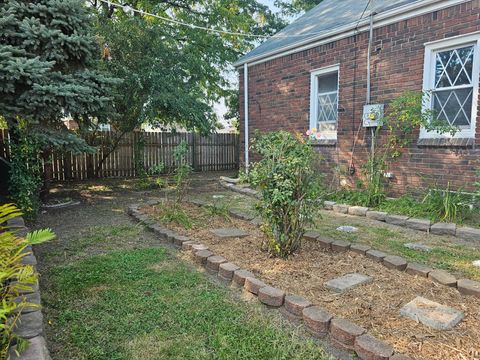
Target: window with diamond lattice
451, 78
453, 89
324, 102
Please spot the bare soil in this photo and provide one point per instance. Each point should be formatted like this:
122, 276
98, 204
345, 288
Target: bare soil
375, 306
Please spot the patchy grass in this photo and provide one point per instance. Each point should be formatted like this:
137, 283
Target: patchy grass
447, 253
146, 304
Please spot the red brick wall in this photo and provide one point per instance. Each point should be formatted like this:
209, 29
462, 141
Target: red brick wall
279, 96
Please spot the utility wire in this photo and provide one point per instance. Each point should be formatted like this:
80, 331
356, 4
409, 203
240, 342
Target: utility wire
128, 9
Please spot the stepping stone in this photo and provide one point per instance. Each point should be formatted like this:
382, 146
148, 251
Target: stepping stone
418, 269
347, 229
443, 277
395, 262
418, 247
347, 282
432, 314
229, 233
187, 245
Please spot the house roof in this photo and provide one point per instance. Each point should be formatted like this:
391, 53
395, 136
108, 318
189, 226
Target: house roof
322, 21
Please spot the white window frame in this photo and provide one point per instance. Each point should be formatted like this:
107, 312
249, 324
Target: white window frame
314, 75
429, 78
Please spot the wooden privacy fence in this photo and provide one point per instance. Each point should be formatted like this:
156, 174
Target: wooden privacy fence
205, 153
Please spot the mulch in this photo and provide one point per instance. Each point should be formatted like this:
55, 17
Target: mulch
375, 306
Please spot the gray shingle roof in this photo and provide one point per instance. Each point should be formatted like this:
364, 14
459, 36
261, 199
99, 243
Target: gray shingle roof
321, 20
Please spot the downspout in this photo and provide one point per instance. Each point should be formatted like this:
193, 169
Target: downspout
369, 90
245, 101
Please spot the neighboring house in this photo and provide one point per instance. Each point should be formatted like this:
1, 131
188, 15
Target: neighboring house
314, 74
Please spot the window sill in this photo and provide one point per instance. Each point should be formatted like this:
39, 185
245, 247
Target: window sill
325, 142
447, 142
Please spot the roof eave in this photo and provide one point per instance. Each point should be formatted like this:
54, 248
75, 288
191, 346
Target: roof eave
418, 8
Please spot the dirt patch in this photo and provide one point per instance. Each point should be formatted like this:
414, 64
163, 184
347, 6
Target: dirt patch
375, 306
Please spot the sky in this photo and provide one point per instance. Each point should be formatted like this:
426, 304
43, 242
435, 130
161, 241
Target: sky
220, 108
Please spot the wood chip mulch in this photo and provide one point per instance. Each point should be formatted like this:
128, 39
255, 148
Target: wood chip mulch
375, 306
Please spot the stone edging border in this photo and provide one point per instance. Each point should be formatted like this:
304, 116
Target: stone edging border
464, 286
30, 325
343, 333
424, 225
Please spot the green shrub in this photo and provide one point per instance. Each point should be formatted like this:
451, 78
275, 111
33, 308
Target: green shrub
289, 185
26, 171
15, 277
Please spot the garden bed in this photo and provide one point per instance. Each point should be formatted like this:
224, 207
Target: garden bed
375, 306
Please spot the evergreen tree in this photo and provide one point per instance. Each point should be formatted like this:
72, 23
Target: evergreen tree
48, 57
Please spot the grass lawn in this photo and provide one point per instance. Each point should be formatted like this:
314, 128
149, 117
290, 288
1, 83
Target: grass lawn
148, 304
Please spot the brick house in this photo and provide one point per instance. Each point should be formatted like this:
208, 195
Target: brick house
314, 74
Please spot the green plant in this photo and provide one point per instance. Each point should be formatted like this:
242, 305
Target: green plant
447, 205
182, 172
289, 186
25, 170
406, 113
15, 277
218, 208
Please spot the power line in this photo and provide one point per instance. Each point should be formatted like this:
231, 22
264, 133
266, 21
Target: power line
128, 9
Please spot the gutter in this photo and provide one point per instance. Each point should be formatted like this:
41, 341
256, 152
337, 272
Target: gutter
404, 12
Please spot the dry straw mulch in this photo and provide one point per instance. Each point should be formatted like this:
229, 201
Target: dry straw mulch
375, 306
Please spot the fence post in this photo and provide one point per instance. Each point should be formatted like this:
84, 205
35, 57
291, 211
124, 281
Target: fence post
194, 152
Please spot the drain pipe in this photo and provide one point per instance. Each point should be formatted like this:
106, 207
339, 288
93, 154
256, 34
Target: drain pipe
245, 101
369, 80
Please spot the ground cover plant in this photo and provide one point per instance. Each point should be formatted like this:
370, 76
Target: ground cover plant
289, 184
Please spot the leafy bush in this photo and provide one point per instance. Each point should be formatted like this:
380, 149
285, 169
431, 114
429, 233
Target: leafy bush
290, 187
26, 171
15, 277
